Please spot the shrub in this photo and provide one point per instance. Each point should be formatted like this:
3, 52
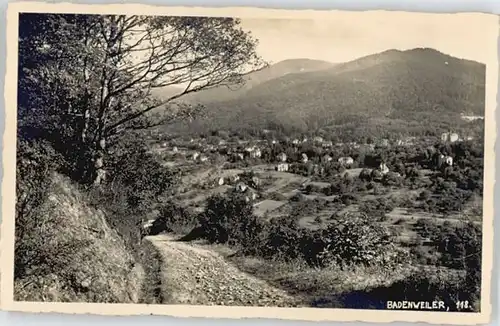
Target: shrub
354, 239
140, 175
391, 179
229, 220
276, 196
174, 218
365, 175
281, 239
36, 162
298, 198
347, 199
137, 180
424, 195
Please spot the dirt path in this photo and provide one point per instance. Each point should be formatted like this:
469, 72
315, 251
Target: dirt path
196, 275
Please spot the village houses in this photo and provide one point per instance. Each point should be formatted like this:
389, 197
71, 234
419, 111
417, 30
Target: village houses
253, 152
383, 168
326, 158
346, 161
250, 195
445, 159
282, 167
241, 187
448, 160
281, 157
384, 142
449, 136
327, 144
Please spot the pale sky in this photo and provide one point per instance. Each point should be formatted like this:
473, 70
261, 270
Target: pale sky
349, 35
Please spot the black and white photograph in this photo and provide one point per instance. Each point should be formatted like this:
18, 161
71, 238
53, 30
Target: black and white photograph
336, 161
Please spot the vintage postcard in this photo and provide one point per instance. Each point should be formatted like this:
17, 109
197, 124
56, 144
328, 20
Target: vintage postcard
249, 163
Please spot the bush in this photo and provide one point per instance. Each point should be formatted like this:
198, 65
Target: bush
173, 218
377, 208
365, 175
276, 196
354, 239
424, 195
280, 240
298, 198
137, 180
139, 174
347, 199
36, 162
230, 220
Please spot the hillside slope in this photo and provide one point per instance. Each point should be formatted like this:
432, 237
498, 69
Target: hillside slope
225, 93
421, 85
73, 255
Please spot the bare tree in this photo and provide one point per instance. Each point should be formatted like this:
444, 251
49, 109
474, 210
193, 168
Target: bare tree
93, 75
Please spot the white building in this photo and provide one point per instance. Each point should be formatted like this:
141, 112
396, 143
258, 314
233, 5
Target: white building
471, 117
346, 160
282, 167
256, 153
241, 187
384, 142
327, 158
304, 158
383, 168
281, 157
453, 137
448, 136
327, 144
448, 160
255, 181
203, 158
195, 156
251, 196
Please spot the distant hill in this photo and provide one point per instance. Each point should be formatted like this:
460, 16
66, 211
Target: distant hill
224, 93
413, 87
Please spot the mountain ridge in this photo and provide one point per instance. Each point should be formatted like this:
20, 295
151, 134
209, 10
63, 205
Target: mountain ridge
418, 85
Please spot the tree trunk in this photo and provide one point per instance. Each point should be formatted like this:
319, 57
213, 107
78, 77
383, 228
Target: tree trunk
100, 172
85, 127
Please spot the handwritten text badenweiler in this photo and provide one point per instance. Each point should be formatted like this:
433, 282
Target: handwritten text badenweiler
417, 305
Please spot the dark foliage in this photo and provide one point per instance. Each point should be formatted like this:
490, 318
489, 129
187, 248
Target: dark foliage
36, 162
